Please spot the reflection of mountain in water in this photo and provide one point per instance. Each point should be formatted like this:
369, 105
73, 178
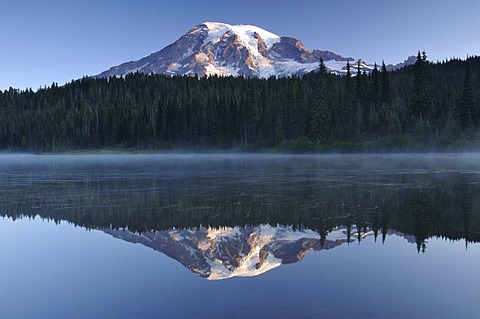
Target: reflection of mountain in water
236, 252
412, 195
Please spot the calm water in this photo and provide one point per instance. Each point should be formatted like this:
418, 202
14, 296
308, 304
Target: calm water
240, 236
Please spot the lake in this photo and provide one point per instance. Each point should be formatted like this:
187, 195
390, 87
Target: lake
240, 236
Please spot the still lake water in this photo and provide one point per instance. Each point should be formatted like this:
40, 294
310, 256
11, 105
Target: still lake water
240, 236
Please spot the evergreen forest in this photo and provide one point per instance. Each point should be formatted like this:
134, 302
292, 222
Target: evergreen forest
426, 106
449, 210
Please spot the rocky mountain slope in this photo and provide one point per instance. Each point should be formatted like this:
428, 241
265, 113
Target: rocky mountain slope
221, 49
223, 253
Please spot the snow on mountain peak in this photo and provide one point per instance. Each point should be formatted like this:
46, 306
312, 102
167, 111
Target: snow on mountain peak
227, 252
215, 48
216, 26
245, 32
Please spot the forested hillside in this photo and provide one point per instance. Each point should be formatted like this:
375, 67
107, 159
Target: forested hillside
425, 105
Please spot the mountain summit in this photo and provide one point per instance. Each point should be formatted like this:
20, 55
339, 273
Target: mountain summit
222, 49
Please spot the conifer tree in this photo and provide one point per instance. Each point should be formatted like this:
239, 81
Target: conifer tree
347, 112
321, 117
386, 96
360, 94
375, 86
421, 103
467, 112
322, 69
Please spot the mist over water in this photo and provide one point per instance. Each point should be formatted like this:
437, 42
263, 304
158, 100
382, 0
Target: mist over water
228, 185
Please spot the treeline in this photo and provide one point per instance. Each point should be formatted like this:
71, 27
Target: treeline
425, 104
449, 210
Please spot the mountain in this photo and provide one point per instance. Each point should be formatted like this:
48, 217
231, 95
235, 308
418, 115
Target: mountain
411, 60
222, 49
221, 253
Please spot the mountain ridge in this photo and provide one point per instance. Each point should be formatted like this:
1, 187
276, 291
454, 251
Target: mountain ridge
214, 48
222, 253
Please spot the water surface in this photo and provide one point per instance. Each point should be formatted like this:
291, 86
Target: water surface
211, 236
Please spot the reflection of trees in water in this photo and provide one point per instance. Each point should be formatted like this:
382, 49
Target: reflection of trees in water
449, 209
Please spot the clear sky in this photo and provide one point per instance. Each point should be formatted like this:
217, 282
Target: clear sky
59, 40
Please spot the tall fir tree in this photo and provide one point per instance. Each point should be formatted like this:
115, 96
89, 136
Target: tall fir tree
322, 69
467, 112
360, 94
347, 112
375, 86
317, 108
386, 95
421, 102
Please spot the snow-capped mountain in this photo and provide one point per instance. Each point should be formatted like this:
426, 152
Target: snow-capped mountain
222, 49
224, 253
411, 60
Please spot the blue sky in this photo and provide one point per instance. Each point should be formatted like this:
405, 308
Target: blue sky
60, 40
